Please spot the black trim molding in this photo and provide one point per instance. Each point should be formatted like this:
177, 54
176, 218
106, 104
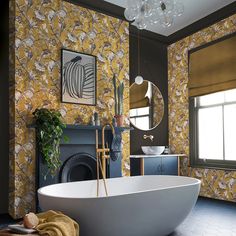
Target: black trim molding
118, 12
101, 6
4, 107
211, 43
205, 22
195, 161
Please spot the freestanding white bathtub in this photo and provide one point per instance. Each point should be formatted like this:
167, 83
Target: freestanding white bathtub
136, 206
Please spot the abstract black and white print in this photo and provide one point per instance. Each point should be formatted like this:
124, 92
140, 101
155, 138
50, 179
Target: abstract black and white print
78, 78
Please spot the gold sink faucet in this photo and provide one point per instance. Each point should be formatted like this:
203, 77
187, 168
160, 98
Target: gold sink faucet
151, 137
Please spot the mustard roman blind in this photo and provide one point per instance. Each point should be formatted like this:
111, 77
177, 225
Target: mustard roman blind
137, 95
213, 68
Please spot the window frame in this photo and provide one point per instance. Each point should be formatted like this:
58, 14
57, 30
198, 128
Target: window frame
195, 161
140, 116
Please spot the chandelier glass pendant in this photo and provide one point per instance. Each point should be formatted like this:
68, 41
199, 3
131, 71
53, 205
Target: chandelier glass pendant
145, 12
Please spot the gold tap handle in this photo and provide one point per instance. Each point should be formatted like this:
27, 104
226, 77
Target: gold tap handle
107, 156
103, 150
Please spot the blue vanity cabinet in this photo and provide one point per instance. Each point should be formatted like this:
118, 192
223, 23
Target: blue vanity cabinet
169, 165
154, 165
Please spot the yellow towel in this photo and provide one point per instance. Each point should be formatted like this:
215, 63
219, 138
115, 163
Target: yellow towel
52, 223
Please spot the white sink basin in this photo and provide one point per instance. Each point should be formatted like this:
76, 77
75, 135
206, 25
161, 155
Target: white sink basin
153, 150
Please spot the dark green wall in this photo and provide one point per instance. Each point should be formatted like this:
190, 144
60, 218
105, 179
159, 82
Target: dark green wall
153, 67
4, 109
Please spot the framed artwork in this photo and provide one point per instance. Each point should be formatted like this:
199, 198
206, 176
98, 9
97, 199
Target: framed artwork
78, 78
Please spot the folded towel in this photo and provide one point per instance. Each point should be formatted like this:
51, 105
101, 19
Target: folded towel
54, 223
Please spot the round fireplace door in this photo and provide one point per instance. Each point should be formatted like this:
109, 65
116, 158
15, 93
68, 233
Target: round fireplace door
78, 167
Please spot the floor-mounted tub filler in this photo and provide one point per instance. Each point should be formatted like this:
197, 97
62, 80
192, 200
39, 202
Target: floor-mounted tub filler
136, 206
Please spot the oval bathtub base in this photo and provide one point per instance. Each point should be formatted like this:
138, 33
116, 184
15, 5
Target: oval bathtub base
137, 206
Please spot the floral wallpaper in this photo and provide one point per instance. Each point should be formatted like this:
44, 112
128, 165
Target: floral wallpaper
158, 106
217, 184
41, 28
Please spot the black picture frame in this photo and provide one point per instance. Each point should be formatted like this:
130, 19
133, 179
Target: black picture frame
78, 78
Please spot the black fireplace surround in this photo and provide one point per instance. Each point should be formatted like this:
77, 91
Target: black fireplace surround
78, 156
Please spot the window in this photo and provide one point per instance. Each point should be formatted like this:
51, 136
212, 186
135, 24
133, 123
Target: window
140, 117
213, 130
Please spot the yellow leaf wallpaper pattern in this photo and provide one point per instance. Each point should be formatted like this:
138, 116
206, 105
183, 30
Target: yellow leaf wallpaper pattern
158, 107
217, 184
40, 29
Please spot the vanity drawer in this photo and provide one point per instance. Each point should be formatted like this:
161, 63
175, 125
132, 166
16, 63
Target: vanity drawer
169, 165
153, 166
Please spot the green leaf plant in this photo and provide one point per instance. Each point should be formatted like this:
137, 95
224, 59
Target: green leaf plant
49, 130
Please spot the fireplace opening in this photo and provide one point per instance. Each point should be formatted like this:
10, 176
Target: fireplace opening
79, 167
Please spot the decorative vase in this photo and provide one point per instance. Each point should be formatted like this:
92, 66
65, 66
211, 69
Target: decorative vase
119, 120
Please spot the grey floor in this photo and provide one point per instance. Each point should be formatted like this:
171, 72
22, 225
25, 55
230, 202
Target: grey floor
208, 218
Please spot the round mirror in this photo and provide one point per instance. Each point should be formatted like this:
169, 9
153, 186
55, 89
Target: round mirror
146, 105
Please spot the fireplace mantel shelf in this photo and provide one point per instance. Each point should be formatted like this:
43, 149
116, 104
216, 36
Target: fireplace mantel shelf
88, 127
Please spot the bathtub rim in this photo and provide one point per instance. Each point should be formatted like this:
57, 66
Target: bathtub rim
197, 182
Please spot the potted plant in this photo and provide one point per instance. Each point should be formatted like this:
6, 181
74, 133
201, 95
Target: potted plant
118, 94
49, 130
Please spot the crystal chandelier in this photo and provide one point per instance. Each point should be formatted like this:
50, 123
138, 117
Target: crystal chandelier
145, 12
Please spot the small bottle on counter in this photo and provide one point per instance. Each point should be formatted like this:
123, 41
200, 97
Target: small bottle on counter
167, 150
